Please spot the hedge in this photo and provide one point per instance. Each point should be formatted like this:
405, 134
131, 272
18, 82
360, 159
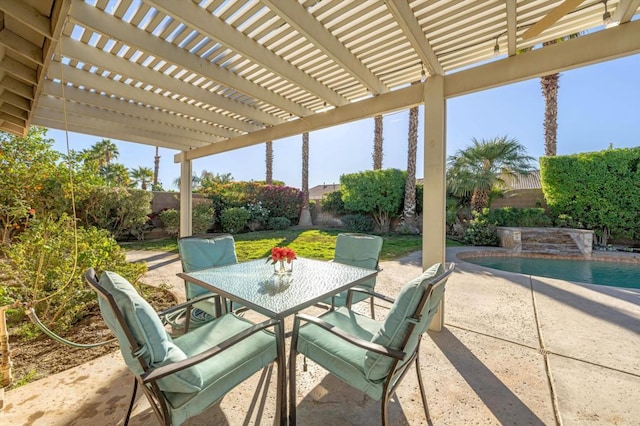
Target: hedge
598, 189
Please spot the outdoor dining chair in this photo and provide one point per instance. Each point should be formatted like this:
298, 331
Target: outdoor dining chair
183, 376
361, 250
201, 252
371, 356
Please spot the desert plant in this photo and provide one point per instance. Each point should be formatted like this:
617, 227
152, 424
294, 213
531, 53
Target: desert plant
44, 268
234, 220
357, 223
279, 223
481, 232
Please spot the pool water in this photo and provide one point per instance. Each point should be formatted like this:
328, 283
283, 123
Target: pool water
585, 271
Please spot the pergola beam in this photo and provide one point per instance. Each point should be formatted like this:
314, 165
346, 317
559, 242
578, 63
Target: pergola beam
512, 29
101, 59
217, 29
19, 70
389, 102
625, 10
189, 138
103, 128
83, 78
131, 109
298, 17
103, 23
28, 15
22, 47
589, 49
410, 26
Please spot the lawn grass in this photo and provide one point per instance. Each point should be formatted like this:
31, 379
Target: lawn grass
311, 243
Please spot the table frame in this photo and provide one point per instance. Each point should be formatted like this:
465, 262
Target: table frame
276, 297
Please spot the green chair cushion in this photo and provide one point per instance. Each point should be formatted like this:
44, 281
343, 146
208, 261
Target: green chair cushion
224, 371
342, 358
395, 327
148, 331
360, 250
197, 253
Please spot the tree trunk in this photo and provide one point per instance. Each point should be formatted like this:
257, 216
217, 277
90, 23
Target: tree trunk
156, 168
377, 143
479, 199
269, 160
549, 85
305, 214
409, 214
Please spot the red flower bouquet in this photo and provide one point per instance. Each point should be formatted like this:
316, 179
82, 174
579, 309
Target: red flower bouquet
280, 255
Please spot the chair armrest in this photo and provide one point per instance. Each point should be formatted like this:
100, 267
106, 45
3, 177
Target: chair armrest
368, 292
365, 344
187, 303
166, 370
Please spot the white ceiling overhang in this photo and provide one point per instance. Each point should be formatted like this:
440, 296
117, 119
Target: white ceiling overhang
215, 75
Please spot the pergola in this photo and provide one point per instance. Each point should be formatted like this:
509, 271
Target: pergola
209, 76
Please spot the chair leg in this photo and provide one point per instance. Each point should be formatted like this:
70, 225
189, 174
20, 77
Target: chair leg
422, 392
292, 385
383, 410
133, 398
281, 398
373, 312
187, 319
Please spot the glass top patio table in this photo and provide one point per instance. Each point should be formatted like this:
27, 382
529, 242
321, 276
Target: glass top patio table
254, 284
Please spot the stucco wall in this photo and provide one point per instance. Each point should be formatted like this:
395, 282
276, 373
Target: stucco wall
521, 198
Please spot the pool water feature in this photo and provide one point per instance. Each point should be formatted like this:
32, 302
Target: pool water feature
614, 274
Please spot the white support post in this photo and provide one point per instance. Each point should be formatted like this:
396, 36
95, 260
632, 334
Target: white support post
186, 203
433, 214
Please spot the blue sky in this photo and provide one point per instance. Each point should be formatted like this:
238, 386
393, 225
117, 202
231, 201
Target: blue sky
598, 105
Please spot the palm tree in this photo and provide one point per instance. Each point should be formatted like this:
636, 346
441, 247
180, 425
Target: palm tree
269, 160
142, 176
305, 214
156, 168
377, 143
409, 214
479, 168
550, 85
305, 169
103, 152
115, 174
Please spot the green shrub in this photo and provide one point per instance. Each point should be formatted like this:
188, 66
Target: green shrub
170, 221
357, 223
234, 219
40, 268
279, 223
598, 189
379, 193
121, 211
258, 216
203, 217
566, 221
519, 217
332, 202
481, 232
281, 201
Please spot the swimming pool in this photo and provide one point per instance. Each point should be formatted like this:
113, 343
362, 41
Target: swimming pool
612, 274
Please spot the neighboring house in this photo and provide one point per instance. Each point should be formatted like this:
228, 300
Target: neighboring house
317, 192
521, 191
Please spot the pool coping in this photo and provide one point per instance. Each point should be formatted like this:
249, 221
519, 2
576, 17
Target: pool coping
467, 252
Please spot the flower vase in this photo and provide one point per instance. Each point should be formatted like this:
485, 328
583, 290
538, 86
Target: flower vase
283, 268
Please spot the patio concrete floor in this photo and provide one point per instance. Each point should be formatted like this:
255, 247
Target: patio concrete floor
515, 350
